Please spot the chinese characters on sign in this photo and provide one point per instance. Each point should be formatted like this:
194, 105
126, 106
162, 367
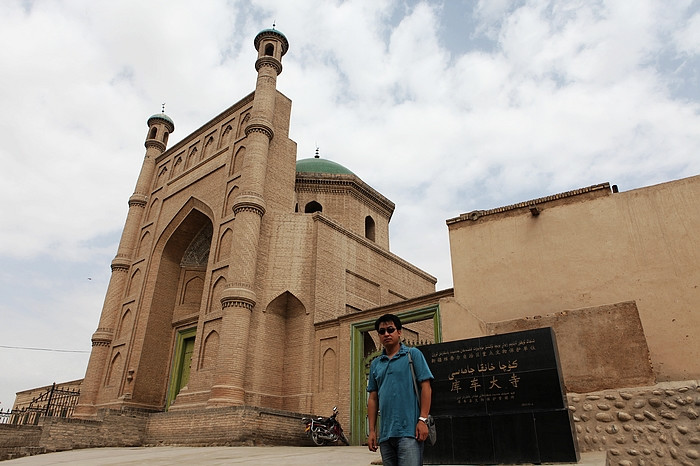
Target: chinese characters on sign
500, 373
500, 399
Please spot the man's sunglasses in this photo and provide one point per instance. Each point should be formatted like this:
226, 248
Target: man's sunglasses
382, 331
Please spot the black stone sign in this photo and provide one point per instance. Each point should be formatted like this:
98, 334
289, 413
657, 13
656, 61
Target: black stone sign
500, 399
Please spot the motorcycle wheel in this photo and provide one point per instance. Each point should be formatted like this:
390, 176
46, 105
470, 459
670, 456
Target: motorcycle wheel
344, 439
317, 440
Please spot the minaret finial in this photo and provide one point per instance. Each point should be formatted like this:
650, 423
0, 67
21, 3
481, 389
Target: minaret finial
273, 24
317, 156
162, 110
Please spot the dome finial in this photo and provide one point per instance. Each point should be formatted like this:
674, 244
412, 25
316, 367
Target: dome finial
162, 110
317, 156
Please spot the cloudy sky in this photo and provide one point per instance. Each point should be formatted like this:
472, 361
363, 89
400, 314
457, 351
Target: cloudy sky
442, 106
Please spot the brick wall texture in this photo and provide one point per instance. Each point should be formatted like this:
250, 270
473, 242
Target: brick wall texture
17, 441
241, 425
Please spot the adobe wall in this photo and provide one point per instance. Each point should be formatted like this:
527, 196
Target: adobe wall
599, 347
587, 249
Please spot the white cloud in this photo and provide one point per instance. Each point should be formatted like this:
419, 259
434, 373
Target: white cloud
687, 38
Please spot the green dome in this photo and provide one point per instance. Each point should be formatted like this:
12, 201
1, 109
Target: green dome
318, 165
271, 32
164, 117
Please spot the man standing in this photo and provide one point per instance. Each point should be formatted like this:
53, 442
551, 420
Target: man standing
404, 425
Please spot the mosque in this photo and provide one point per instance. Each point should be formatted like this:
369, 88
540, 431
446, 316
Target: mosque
232, 255
246, 284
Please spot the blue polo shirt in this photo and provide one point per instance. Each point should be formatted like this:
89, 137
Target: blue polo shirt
392, 380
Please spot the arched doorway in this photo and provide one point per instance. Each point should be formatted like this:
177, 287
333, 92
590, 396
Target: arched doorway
177, 283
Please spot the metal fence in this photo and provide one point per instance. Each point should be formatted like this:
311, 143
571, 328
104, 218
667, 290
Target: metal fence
55, 401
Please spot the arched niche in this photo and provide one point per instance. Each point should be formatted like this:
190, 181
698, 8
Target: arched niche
312, 207
225, 245
125, 324
210, 350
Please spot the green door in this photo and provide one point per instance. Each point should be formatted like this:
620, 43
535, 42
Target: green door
188, 348
366, 363
360, 358
182, 360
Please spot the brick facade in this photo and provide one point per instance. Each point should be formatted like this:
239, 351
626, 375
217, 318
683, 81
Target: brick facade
220, 279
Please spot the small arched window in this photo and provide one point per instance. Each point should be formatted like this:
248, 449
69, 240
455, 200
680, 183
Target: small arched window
152, 134
312, 207
165, 138
269, 50
369, 228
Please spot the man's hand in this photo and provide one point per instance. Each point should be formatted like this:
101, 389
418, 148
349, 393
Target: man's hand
372, 441
421, 431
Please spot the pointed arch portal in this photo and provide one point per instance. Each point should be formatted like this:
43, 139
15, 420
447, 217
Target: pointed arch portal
181, 256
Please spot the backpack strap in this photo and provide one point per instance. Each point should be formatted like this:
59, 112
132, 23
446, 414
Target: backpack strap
413, 375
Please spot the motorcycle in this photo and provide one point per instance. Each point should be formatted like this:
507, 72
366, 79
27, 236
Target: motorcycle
324, 430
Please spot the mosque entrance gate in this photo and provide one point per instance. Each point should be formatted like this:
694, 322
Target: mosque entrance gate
361, 356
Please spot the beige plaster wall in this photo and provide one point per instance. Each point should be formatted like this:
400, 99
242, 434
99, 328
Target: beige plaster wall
599, 347
458, 323
587, 251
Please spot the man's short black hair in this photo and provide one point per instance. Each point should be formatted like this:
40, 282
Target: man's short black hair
388, 318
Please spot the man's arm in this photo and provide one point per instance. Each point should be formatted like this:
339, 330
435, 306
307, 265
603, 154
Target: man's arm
372, 410
426, 393
425, 396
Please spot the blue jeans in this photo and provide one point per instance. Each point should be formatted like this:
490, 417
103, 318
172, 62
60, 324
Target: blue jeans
401, 451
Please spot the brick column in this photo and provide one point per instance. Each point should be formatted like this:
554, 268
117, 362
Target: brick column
239, 299
159, 128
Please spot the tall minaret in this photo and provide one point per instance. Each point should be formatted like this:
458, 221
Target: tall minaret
239, 298
159, 128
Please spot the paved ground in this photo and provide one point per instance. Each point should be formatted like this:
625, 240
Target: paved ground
259, 456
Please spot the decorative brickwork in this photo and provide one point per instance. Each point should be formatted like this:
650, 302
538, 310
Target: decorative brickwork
641, 426
259, 128
268, 61
155, 144
218, 280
